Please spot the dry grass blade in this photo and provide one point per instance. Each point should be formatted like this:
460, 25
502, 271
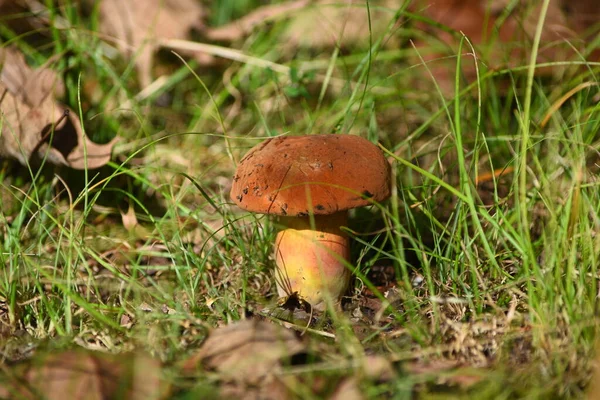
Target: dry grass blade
495, 174
558, 103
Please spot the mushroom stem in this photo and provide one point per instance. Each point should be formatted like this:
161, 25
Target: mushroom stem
310, 253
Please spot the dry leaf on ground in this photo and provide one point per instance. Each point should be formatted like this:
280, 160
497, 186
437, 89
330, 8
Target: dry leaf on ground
378, 368
137, 26
33, 123
583, 14
500, 42
348, 389
317, 25
447, 372
343, 23
78, 375
15, 16
247, 351
247, 355
243, 26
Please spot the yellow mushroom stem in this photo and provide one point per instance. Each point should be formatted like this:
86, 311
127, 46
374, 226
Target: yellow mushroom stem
310, 253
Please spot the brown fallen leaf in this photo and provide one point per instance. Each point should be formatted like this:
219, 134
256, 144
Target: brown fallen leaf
34, 124
14, 15
79, 374
243, 26
271, 390
348, 389
583, 14
378, 368
344, 23
477, 19
446, 372
317, 24
499, 42
137, 26
247, 351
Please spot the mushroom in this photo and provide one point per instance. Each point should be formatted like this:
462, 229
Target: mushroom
310, 182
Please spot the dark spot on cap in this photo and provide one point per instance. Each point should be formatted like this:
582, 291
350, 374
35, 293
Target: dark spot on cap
302, 214
330, 165
259, 165
263, 145
236, 178
248, 156
368, 194
239, 197
245, 191
320, 207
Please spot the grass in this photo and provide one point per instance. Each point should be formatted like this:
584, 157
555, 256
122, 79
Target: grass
499, 277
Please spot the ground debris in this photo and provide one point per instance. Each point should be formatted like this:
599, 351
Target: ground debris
243, 26
247, 356
247, 351
136, 26
35, 124
316, 25
79, 374
500, 33
446, 372
348, 389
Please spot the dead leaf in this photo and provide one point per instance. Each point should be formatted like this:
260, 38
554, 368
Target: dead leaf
242, 27
19, 19
343, 23
33, 123
499, 42
137, 26
347, 390
79, 374
316, 25
247, 351
271, 390
32, 86
583, 15
446, 372
129, 218
477, 19
378, 368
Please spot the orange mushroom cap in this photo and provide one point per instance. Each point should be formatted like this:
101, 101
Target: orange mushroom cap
314, 174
